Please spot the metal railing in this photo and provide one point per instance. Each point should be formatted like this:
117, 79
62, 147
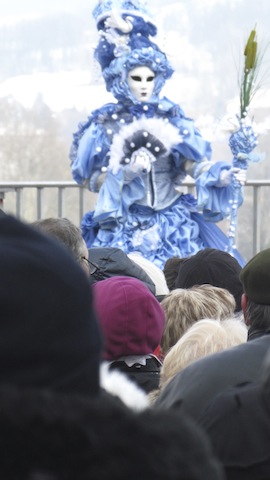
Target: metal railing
13, 198
30, 201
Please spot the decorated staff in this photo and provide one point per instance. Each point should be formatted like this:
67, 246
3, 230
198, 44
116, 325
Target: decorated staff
243, 142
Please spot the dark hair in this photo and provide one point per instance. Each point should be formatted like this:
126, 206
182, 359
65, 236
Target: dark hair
258, 316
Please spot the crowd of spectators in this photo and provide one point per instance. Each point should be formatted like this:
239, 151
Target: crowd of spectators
113, 368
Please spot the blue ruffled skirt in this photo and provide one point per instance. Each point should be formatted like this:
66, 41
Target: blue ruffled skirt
178, 230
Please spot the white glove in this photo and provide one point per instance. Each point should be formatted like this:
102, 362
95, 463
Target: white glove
140, 161
240, 175
226, 176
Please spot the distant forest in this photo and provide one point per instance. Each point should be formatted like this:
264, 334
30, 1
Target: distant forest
46, 44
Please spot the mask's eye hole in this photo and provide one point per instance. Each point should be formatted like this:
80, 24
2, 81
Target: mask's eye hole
136, 78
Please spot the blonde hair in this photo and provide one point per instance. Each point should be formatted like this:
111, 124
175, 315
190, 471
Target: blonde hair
203, 338
185, 306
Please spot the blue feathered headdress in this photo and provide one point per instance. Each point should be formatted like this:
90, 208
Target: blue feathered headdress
124, 7
125, 28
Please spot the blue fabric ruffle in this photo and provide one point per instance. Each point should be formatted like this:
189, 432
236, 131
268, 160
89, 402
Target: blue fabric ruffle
177, 231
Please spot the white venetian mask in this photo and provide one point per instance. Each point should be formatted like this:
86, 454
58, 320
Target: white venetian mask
141, 82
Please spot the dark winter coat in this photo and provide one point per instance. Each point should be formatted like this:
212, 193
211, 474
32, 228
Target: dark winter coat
114, 262
145, 376
238, 424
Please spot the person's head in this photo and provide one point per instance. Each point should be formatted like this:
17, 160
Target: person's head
212, 266
107, 262
154, 272
68, 234
170, 270
131, 318
185, 306
45, 436
255, 278
125, 50
49, 335
156, 69
203, 338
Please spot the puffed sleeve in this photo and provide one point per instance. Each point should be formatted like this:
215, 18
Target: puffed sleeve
214, 201
115, 198
194, 154
91, 156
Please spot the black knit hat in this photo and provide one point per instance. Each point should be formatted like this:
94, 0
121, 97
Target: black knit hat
170, 270
255, 278
49, 336
214, 267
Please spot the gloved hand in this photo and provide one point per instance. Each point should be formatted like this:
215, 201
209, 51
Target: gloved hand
140, 161
140, 150
240, 174
226, 176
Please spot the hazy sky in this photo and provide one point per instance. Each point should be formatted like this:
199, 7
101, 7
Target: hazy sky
198, 65
18, 8
40, 7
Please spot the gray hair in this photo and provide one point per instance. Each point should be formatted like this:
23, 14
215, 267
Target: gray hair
65, 231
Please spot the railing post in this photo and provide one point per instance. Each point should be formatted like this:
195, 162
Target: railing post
256, 220
81, 200
61, 194
40, 196
19, 202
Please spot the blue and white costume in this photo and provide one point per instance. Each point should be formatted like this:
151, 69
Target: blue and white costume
140, 206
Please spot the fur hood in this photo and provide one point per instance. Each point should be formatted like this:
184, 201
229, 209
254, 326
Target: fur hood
118, 384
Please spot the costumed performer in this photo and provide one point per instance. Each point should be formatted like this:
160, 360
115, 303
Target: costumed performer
137, 151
